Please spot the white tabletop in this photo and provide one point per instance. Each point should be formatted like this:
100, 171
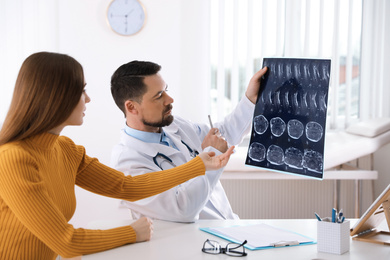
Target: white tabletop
184, 241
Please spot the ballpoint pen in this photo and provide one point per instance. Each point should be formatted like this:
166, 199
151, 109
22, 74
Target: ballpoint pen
211, 126
217, 130
317, 216
340, 216
211, 123
285, 243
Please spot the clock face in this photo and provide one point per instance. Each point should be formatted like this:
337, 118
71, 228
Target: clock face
126, 17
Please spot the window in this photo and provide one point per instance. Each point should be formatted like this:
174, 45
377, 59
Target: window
245, 31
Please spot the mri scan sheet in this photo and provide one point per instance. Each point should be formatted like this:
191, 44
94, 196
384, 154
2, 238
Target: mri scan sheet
289, 120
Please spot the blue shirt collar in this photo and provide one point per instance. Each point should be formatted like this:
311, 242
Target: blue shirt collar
147, 137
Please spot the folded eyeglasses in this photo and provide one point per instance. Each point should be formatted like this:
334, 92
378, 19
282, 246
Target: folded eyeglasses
231, 249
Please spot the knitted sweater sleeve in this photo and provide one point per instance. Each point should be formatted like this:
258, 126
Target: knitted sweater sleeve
23, 190
103, 180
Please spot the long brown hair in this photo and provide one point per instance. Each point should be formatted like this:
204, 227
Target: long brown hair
47, 90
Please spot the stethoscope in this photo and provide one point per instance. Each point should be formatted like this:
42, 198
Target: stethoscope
193, 154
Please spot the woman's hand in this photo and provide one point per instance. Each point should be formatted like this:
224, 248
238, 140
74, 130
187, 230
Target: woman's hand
143, 228
212, 162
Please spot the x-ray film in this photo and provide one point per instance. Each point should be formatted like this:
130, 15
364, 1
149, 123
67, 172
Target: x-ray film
289, 120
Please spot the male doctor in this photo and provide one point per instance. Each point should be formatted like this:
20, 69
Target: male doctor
153, 140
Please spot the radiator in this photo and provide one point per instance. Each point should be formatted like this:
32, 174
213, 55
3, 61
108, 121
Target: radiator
280, 199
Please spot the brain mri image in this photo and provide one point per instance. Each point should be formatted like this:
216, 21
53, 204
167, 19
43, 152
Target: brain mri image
289, 120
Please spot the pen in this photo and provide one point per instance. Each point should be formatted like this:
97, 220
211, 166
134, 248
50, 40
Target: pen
317, 216
285, 243
217, 130
340, 216
211, 123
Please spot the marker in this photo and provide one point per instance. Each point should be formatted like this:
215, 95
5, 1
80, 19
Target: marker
317, 216
211, 123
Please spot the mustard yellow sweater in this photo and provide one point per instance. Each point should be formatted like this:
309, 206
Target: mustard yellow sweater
37, 198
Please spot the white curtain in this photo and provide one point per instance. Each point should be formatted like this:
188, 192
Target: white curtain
26, 26
375, 60
353, 34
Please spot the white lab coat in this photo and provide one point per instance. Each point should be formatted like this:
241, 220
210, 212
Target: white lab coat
202, 197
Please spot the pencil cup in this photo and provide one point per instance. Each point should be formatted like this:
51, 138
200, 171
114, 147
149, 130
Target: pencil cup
333, 237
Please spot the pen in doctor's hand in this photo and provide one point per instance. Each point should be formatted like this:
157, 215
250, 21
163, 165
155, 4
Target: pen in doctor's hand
211, 123
212, 126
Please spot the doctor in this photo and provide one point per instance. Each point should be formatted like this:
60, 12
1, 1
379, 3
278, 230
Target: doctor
153, 140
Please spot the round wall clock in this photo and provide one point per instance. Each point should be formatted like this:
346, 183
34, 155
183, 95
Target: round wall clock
126, 17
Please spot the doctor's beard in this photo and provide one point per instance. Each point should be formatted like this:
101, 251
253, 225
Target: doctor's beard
165, 120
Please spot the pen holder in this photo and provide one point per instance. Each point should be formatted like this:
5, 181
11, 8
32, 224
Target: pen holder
333, 237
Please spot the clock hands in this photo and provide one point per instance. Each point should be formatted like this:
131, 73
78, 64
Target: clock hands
129, 13
122, 15
125, 16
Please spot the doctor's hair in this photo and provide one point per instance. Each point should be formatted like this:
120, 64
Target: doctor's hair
48, 88
127, 82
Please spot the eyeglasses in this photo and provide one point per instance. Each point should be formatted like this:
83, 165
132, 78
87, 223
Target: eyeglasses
231, 249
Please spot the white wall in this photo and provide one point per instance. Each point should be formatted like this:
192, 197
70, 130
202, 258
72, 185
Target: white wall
175, 36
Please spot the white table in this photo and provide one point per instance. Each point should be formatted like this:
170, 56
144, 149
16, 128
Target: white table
184, 241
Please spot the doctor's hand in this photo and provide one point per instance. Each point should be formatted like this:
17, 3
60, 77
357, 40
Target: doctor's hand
212, 162
214, 139
254, 85
143, 228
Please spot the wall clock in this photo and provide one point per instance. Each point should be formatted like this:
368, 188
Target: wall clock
126, 17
